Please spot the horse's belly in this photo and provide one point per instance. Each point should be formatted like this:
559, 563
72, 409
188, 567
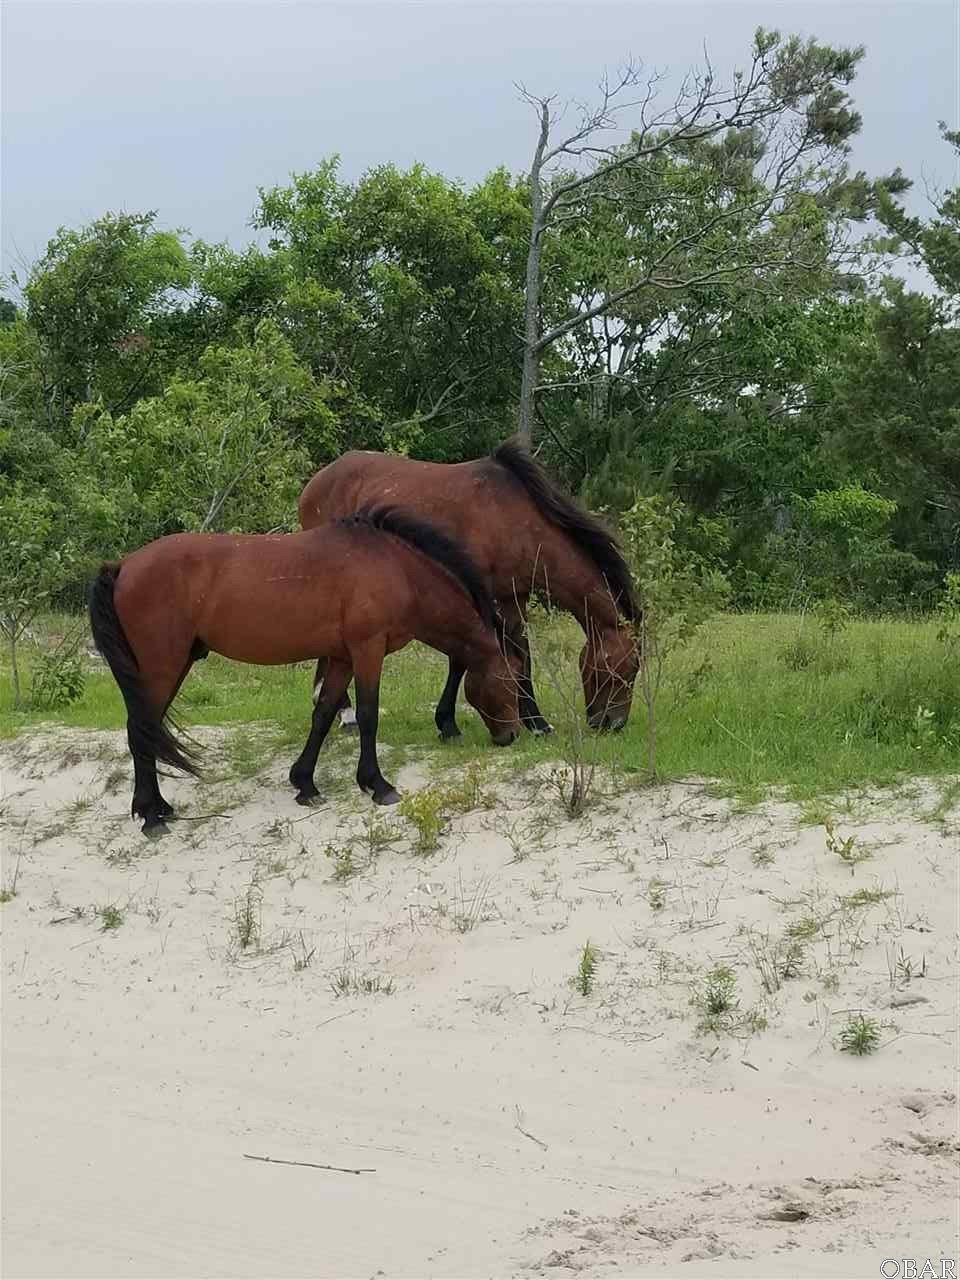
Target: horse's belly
269, 638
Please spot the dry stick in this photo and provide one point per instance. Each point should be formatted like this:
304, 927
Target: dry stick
520, 1129
306, 1164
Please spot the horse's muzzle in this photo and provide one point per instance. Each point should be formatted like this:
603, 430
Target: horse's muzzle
608, 723
505, 738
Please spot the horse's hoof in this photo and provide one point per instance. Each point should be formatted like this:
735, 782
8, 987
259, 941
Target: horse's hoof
387, 797
540, 728
309, 799
154, 830
351, 726
450, 733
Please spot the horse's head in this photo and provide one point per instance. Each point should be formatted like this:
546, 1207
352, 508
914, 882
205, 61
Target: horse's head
609, 663
491, 690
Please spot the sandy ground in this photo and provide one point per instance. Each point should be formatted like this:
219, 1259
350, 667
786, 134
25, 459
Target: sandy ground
502, 1123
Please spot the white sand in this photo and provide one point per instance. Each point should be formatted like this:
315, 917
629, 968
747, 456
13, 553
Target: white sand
140, 1064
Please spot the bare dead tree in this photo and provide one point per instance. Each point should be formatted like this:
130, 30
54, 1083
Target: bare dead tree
791, 98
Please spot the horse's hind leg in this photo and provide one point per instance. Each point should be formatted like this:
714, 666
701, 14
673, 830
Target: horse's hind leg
367, 667
198, 650
335, 678
162, 680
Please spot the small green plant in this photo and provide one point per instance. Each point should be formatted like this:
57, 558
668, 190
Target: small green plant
860, 1036
805, 929
302, 955
247, 917
351, 982
468, 793
114, 780
58, 676
9, 891
719, 990
833, 617
799, 654
845, 847
425, 809
776, 962
470, 909
344, 863
586, 973
715, 997
904, 968
763, 857
378, 834
111, 917
865, 898
657, 894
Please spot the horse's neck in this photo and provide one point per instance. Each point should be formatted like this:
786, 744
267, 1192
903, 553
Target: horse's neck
572, 583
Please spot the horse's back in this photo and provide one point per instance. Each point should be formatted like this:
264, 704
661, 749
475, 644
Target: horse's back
364, 478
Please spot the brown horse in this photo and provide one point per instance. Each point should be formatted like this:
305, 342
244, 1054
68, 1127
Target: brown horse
350, 592
525, 535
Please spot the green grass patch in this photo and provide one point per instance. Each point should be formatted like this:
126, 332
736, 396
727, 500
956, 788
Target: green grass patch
883, 703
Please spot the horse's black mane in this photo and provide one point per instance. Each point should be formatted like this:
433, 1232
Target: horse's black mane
592, 537
433, 544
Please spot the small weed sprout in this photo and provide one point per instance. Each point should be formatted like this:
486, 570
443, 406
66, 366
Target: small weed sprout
9, 891
425, 810
111, 917
584, 978
470, 910
904, 968
860, 1036
763, 857
719, 990
657, 894
302, 955
247, 917
344, 863
351, 982
844, 847
468, 793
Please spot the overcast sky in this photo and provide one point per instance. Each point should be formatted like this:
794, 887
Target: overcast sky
188, 107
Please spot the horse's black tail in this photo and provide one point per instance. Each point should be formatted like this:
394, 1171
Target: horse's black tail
150, 734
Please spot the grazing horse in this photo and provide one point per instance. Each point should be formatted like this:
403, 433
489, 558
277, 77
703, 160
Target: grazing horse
350, 592
525, 535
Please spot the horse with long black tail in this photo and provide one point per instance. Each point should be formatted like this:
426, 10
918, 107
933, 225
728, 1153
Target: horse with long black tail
349, 592
526, 536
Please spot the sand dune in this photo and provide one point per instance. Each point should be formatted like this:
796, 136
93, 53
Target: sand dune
503, 1123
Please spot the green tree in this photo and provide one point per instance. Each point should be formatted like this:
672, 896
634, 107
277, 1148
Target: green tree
403, 291
719, 197
97, 301
228, 449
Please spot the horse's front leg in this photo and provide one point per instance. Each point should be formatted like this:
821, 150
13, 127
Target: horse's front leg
367, 681
335, 678
446, 714
348, 719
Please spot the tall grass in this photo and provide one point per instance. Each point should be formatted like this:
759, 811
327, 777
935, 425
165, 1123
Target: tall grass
757, 701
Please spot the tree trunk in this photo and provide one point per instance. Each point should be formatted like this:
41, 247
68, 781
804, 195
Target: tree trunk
15, 671
530, 377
